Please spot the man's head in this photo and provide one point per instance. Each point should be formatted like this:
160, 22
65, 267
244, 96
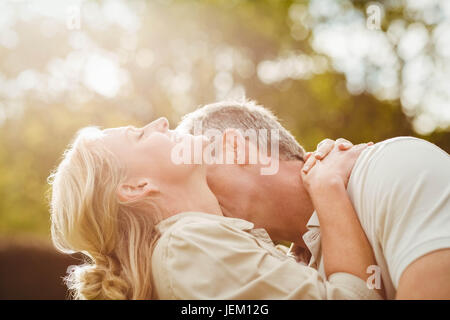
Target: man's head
276, 202
243, 116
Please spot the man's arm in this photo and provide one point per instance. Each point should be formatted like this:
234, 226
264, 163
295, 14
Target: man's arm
427, 277
407, 190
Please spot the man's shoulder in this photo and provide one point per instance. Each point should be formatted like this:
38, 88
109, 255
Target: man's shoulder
405, 141
400, 139
395, 162
397, 145
394, 156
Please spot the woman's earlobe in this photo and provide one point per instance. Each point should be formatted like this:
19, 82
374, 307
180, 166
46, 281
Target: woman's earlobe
136, 189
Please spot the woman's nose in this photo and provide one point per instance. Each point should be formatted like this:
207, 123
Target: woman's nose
161, 124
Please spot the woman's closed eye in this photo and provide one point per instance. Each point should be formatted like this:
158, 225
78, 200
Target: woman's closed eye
138, 134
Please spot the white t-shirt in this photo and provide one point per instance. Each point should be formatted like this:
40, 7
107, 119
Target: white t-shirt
400, 189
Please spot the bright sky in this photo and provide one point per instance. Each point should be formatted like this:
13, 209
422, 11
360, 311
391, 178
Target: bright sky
410, 62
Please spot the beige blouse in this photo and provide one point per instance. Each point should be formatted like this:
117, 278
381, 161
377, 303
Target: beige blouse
205, 256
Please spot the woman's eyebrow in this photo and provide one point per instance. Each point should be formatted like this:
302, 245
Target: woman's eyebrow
127, 132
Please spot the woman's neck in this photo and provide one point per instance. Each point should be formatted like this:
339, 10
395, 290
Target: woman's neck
190, 195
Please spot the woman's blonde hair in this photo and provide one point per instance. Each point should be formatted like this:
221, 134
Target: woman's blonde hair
87, 217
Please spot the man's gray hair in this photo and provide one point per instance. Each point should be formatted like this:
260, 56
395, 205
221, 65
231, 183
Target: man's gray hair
242, 115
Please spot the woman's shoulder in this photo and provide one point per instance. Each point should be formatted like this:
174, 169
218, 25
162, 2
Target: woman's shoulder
199, 221
191, 252
197, 233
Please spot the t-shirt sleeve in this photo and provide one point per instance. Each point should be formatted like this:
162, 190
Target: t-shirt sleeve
409, 185
213, 260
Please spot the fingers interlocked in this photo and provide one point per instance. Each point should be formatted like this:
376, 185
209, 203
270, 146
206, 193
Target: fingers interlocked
323, 149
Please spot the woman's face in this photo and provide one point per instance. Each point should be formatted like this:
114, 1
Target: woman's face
146, 151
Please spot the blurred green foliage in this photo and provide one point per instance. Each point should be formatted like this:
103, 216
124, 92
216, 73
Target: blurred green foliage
319, 106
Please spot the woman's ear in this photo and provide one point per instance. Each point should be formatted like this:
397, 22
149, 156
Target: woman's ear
234, 147
136, 189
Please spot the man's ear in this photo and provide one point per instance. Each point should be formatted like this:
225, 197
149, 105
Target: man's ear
136, 189
234, 147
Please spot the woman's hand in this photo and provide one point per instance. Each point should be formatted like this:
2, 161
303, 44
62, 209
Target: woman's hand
331, 163
323, 149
